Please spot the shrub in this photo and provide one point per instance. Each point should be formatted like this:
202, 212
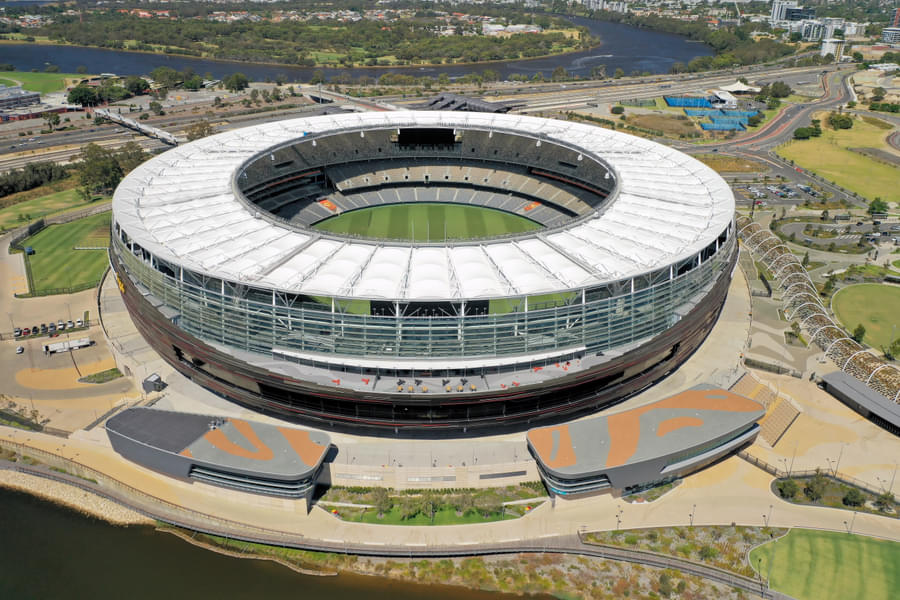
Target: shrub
617, 110
815, 487
853, 497
707, 552
787, 489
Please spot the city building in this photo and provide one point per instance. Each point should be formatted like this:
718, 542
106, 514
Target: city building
225, 273
16, 97
790, 11
890, 35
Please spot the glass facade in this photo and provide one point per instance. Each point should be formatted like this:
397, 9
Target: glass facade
597, 319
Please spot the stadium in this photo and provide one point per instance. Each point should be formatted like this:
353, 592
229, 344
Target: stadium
424, 273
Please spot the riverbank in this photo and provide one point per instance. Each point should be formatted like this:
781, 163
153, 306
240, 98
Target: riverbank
228, 61
79, 500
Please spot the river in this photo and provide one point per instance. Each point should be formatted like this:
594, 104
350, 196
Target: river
623, 47
51, 552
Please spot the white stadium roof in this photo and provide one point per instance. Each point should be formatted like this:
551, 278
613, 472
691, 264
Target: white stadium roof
182, 207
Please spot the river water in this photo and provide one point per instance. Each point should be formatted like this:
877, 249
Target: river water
51, 552
624, 47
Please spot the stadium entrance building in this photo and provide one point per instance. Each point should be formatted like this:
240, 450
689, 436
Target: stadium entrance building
220, 251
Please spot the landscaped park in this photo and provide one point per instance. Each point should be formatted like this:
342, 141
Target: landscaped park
827, 565
833, 157
875, 306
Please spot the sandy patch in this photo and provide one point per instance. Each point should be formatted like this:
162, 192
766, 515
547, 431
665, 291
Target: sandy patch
61, 379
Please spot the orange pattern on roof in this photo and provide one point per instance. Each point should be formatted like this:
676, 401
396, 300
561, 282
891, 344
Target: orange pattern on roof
310, 452
548, 439
217, 438
676, 423
187, 452
625, 427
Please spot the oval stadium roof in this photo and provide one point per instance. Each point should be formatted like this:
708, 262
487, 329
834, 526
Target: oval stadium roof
182, 207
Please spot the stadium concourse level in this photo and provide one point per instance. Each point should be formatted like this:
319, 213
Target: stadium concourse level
317, 178
801, 303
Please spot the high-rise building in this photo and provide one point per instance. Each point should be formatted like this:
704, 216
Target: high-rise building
896, 21
890, 35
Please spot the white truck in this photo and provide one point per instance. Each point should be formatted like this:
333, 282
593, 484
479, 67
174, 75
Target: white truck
67, 345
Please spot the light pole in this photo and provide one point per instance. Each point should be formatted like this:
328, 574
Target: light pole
768, 517
693, 511
618, 517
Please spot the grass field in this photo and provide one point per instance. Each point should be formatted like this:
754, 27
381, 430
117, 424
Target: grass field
731, 164
426, 222
38, 82
825, 565
830, 157
874, 305
670, 125
36, 208
55, 264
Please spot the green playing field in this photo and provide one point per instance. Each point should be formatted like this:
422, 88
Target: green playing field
427, 222
56, 264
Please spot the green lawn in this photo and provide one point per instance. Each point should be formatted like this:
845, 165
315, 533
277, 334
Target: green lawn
55, 264
427, 222
39, 207
830, 157
444, 516
874, 305
39, 82
824, 565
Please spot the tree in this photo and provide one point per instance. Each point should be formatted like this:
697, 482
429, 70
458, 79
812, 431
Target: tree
805, 262
824, 216
878, 94
51, 69
840, 121
156, 108
619, 73
98, 169
81, 69
198, 130
803, 133
194, 83
236, 82
83, 95
130, 156
318, 76
859, 333
857, 57
884, 501
136, 85
780, 89
559, 74
853, 497
166, 77
51, 118
617, 110
815, 487
877, 206
787, 489
382, 501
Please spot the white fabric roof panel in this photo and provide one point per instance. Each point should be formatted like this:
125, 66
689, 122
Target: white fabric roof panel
181, 207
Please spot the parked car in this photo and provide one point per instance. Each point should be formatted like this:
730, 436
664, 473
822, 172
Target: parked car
43, 328
17, 332
895, 227
20, 350
70, 324
52, 328
79, 323
35, 330
60, 325
26, 331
